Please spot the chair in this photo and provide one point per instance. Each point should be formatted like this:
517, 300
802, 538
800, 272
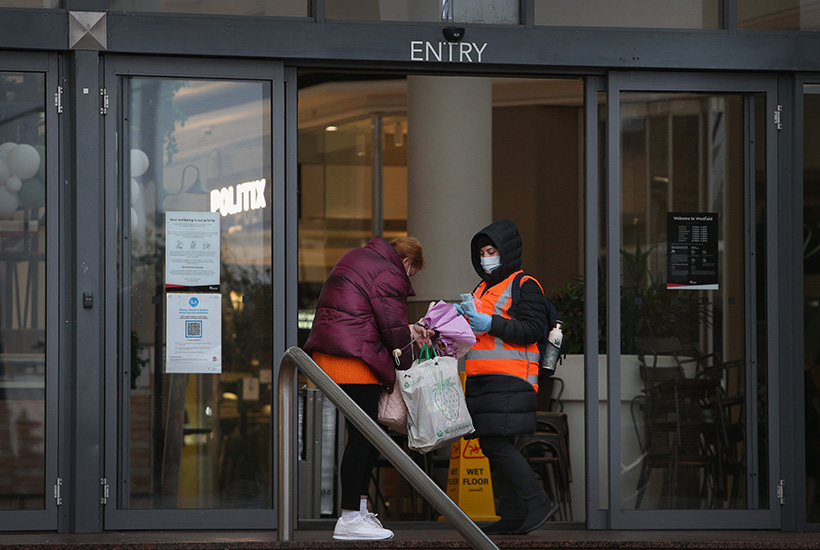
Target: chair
549, 394
676, 429
726, 405
547, 452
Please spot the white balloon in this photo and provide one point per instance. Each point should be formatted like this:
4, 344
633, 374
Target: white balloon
5, 148
139, 163
135, 190
41, 172
23, 161
4, 172
135, 221
8, 203
14, 184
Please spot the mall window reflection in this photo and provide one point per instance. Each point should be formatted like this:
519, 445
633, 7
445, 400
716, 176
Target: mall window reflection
499, 12
684, 364
778, 15
659, 14
46, 4
197, 440
23, 293
279, 8
811, 292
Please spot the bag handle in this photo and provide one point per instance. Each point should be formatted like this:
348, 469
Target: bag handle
427, 352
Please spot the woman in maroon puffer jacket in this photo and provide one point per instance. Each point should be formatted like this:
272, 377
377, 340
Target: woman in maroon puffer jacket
361, 317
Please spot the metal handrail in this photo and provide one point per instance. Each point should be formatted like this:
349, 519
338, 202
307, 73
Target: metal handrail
295, 358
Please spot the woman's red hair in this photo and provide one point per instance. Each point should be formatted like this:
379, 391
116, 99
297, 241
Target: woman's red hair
409, 247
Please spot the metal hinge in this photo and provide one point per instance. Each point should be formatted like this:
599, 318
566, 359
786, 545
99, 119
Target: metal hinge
58, 99
778, 119
58, 491
781, 492
104, 97
104, 485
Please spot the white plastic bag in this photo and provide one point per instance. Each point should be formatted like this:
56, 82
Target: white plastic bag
392, 410
436, 409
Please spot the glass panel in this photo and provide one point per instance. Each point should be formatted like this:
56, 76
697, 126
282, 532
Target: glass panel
336, 208
499, 12
685, 347
49, 4
779, 15
603, 379
671, 14
811, 292
196, 440
22, 291
280, 8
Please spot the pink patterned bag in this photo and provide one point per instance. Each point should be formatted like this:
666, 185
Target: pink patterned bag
393, 410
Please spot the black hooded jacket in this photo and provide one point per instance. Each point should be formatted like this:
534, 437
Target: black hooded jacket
503, 405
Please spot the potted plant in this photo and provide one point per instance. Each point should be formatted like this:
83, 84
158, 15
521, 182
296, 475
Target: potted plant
648, 308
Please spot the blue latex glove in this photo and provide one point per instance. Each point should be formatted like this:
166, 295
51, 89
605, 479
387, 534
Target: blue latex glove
459, 309
479, 322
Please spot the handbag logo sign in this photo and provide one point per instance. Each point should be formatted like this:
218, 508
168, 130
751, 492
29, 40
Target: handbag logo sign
456, 429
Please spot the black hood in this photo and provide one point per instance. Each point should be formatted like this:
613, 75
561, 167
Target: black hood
504, 236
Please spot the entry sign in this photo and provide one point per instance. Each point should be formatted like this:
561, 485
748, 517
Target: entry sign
193, 333
692, 250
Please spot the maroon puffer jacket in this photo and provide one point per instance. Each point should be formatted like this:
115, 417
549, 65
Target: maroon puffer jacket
362, 310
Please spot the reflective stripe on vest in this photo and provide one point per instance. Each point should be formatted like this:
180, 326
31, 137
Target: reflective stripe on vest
491, 355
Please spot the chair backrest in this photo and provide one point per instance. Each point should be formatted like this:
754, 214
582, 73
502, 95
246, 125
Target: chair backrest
655, 347
550, 391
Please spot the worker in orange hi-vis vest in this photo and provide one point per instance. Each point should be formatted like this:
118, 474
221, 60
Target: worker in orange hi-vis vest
502, 375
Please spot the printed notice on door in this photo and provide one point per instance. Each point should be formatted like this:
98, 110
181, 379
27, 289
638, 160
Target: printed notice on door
193, 333
692, 251
192, 251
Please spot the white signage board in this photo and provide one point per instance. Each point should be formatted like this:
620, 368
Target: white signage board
193, 333
192, 250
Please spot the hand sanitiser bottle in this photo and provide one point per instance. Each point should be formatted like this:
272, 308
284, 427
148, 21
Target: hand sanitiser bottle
554, 340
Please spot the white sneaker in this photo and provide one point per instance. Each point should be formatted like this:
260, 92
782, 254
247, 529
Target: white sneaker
362, 528
373, 520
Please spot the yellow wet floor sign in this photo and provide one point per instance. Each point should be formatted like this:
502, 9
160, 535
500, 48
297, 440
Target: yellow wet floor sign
468, 481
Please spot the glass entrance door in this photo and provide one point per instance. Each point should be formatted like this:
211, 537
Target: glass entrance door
29, 295
691, 218
199, 183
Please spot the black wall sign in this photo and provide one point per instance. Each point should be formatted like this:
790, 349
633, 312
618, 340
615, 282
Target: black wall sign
692, 250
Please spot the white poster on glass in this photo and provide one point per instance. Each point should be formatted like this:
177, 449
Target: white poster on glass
193, 333
192, 251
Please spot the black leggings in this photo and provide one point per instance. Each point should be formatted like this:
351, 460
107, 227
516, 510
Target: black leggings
360, 455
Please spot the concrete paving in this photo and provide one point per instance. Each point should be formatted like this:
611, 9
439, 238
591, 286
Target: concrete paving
416, 537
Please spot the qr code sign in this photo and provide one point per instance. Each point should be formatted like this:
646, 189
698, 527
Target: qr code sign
193, 329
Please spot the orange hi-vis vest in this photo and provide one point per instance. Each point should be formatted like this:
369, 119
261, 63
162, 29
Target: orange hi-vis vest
492, 355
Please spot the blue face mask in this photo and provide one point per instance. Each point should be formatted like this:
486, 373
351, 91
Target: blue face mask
491, 263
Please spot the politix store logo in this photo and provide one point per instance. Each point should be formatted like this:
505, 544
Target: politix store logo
451, 52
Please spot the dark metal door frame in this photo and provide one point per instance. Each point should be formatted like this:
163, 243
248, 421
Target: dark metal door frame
56, 377
116, 69
770, 516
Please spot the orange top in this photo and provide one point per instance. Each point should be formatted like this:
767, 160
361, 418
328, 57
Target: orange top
345, 370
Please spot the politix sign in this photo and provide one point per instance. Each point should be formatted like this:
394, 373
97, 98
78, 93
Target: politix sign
450, 52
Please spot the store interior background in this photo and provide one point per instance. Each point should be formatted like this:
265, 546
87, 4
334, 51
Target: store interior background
537, 181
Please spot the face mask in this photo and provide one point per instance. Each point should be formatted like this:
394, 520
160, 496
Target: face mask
491, 263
